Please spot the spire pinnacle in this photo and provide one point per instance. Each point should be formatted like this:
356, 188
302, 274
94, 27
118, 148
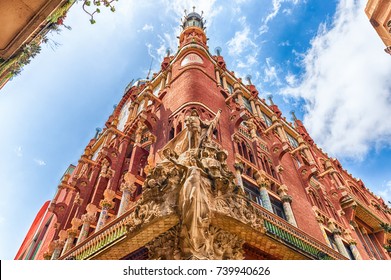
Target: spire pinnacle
270, 98
293, 115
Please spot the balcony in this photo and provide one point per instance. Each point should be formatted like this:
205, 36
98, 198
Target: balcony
250, 221
271, 233
116, 240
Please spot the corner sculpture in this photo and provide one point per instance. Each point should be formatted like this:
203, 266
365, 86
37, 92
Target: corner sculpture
192, 174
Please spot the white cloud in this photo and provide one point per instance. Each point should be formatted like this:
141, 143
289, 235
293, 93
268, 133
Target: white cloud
276, 9
270, 72
243, 49
386, 192
347, 85
240, 42
40, 162
19, 151
291, 79
147, 27
285, 44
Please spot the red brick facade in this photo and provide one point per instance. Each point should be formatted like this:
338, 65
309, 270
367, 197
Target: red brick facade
316, 206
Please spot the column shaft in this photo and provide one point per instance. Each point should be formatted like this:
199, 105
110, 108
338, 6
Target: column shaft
84, 232
340, 246
102, 218
266, 203
355, 251
289, 213
125, 201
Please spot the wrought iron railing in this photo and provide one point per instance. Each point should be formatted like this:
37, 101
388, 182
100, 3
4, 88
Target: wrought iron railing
110, 234
281, 230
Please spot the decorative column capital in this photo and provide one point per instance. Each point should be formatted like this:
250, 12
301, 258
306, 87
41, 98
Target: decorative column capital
91, 209
286, 198
127, 187
239, 166
105, 203
76, 223
88, 218
263, 182
47, 256
62, 235
72, 232
282, 190
352, 242
58, 244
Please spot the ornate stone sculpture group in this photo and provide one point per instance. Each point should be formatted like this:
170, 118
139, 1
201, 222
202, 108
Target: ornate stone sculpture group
192, 174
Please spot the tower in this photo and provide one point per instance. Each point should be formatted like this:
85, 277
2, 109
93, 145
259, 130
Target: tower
192, 164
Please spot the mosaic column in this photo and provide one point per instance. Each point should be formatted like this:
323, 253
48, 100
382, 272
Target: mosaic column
264, 184
162, 82
238, 174
280, 130
168, 80
127, 190
337, 238
353, 248
258, 109
106, 205
87, 219
225, 85
72, 232
286, 204
339, 242
239, 94
306, 150
217, 76
135, 108
252, 103
59, 244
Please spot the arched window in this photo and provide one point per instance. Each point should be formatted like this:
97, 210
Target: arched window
267, 166
358, 194
171, 134
251, 157
178, 128
244, 149
315, 200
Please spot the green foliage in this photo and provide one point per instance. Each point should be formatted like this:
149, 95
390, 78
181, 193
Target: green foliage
97, 3
386, 227
60, 12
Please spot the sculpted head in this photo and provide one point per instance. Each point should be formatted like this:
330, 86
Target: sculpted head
194, 113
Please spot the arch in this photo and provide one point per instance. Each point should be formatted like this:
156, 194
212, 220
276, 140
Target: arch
315, 199
355, 190
267, 165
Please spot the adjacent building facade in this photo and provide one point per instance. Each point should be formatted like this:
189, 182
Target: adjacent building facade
192, 164
379, 14
23, 27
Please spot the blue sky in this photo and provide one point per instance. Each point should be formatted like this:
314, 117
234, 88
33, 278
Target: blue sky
319, 58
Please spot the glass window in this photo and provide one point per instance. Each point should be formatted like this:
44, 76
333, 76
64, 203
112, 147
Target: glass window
141, 106
247, 104
252, 192
268, 120
230, 88
332, 242
156, 90
277, 207
292, 140
370, 244
349, 251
